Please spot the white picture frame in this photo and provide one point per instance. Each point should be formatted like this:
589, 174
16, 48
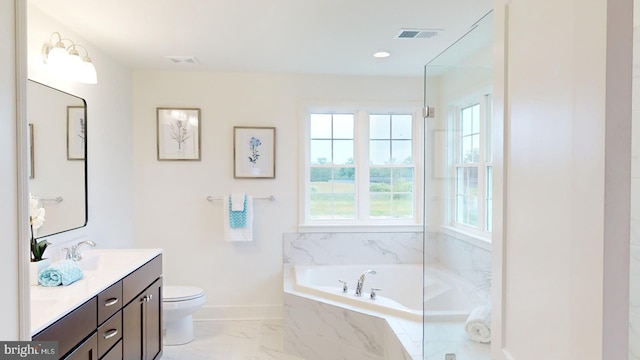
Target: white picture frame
178, 133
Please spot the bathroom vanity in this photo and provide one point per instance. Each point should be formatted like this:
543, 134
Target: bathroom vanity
114, 312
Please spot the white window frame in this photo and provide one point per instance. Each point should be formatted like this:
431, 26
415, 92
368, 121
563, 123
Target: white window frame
362, 222
484, 162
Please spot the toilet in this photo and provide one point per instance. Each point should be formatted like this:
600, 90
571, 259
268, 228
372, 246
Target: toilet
178, 305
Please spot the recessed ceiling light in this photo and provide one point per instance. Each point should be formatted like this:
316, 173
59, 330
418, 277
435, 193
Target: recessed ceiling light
381, 54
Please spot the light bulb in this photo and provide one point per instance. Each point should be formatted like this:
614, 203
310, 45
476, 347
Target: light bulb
57, 57
87, 73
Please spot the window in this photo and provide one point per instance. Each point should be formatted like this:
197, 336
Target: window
332, 169
472, 200
361, 168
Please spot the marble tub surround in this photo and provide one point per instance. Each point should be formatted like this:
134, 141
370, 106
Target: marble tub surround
315, 328
352, 248
323, 330
101, 269
306, 332
471, 262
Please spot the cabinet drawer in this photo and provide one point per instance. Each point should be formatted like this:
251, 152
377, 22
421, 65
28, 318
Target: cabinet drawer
109, 333
109, 302
138, 280
115, 353
88, 350
72, 328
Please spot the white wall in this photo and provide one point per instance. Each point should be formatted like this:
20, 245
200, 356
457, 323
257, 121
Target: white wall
8, 176
171, 211
567, 154
110, 136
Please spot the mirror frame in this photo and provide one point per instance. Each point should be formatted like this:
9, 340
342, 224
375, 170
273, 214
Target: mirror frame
86, 158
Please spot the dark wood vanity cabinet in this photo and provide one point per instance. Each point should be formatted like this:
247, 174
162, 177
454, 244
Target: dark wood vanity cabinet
123, 322
142, 316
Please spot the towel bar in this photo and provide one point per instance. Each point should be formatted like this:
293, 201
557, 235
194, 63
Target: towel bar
270, 198
56, 199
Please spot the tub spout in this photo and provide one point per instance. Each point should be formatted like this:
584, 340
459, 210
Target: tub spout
360, 283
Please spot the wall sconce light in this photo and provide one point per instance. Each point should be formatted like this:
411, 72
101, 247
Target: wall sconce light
65, 60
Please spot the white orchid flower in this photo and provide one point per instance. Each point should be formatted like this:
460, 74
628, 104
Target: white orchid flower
36, 213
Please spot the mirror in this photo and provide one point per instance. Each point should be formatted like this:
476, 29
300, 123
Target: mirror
57, 161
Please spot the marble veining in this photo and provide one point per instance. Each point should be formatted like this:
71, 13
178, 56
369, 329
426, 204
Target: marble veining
352, 248
316, 330
229, 340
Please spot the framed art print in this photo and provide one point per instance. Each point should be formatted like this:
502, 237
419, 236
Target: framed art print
76, 132
254, 151
178, 133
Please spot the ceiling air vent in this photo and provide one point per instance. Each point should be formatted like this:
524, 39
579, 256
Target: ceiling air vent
417, 33
182, 59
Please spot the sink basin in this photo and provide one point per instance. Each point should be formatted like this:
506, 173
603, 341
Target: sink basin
90, 262
94, 260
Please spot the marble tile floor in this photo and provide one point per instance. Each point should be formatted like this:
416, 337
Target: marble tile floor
450, 338
262, 340
232, 340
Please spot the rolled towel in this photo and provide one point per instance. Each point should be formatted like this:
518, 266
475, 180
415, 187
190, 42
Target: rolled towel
478, 325
61, 273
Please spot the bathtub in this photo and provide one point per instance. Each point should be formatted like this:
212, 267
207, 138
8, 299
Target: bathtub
405, 293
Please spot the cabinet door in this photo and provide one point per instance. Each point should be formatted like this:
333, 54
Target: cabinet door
87, 351
132, 329
153, 331
142, 325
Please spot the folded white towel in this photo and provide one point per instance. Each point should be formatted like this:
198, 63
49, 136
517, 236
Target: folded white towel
237, 234
237, 201
478, 325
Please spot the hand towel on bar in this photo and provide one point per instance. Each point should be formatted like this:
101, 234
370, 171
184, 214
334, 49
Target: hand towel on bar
237, 234
238, 218
238, 201
61, 273
478, 325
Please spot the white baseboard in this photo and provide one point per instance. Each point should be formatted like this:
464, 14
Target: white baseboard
246, 312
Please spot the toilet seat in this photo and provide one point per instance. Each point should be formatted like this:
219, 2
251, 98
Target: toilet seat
181, 293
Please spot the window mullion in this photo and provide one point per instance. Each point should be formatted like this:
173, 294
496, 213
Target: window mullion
361, 150
482, 195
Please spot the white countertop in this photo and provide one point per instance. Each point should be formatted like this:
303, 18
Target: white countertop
101, 268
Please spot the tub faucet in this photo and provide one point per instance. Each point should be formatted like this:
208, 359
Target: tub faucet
74, 253
360, 284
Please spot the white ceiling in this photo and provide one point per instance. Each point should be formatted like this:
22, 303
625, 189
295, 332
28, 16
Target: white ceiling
287, 36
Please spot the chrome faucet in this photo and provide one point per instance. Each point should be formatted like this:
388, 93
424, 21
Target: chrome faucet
360, 283
74, 253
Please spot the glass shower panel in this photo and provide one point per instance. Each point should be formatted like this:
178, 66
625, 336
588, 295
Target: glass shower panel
634, 271
458, 192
